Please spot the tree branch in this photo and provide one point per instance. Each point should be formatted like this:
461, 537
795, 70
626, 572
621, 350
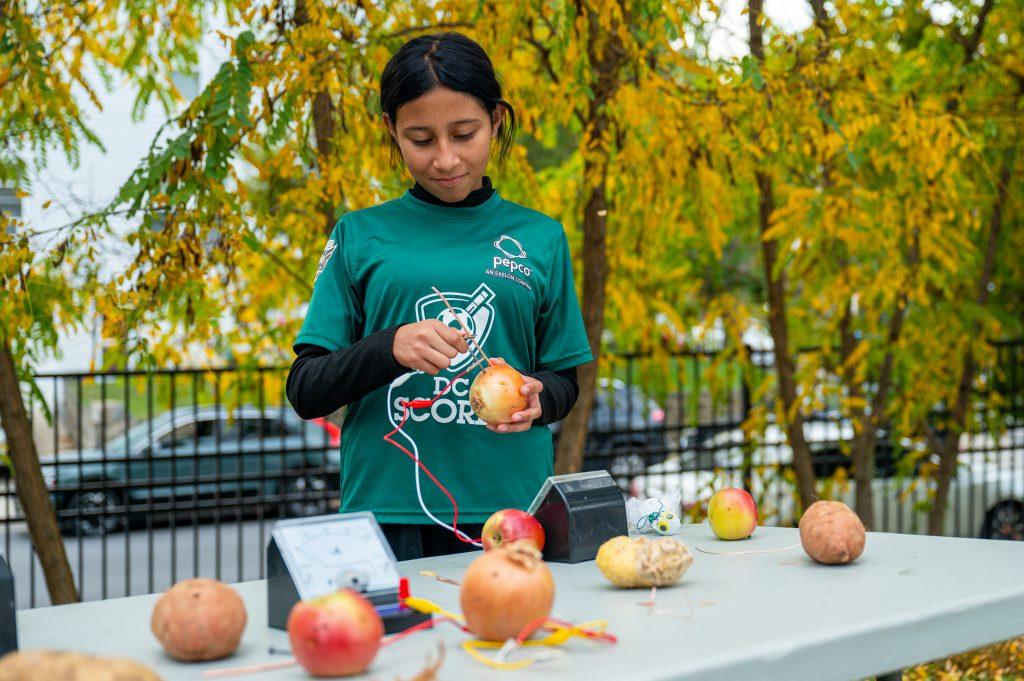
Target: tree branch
418, 29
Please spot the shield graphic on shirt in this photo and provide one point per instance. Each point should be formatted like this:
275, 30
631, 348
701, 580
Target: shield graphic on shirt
474, 310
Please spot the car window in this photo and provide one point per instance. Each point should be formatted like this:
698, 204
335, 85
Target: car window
262, 427
182, 436
207, 430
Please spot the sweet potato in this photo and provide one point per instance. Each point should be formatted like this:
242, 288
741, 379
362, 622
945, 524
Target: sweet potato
199, 619
831, 533
59, 665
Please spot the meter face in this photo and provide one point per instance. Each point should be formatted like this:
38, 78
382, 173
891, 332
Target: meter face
330, 553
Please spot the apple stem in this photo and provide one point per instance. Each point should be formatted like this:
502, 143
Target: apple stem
469, 336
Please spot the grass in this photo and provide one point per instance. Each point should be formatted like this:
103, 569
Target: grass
1000, 662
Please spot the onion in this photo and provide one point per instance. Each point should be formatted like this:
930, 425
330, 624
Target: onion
495, 394
505, 589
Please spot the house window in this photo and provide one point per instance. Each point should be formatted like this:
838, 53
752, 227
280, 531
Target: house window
10, 203
187, 84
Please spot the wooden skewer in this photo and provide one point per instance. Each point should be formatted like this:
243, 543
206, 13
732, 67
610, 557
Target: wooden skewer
431, 573
248, 669
475, 364
459, 320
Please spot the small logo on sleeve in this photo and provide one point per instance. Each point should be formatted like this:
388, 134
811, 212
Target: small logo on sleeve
325, 256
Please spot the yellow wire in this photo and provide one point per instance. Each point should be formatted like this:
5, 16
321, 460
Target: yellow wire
431, 608
471, 648
559, 636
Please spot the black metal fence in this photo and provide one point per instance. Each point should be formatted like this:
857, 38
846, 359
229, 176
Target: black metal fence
160, 475
157, 476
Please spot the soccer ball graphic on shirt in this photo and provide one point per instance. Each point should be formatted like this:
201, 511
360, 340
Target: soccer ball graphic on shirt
474, 309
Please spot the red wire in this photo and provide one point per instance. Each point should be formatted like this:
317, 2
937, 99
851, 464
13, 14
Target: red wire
405, 416
427, 624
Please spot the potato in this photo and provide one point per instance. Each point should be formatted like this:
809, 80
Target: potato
831, 533
58, 665
629, 563
199, 619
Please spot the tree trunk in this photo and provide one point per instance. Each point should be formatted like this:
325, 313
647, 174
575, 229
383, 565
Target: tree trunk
573, 435
606, 61
865, 443
862, 448
32, 493
323, 123
776, 286
861, 459
950, 446
784, 366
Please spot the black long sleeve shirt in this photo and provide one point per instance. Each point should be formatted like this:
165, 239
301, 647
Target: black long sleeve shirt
320, 381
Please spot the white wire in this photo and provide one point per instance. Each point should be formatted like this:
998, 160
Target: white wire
416, 467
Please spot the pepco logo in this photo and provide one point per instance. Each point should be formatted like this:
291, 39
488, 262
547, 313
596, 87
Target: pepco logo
510, 247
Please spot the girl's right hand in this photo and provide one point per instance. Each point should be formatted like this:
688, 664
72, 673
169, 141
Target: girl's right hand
428, 346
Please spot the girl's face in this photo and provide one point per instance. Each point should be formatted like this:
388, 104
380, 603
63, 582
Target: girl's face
445, 138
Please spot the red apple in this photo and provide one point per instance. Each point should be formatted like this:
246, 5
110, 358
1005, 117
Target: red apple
732, 513
336, 634
511, 524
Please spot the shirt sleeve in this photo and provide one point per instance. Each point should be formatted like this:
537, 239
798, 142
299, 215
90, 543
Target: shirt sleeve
334, 318
561, 390
561, 338
320, 381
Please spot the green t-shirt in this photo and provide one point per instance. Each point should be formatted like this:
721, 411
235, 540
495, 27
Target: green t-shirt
506, 270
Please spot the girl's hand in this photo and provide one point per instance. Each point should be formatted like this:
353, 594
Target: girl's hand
428, 346
522, 420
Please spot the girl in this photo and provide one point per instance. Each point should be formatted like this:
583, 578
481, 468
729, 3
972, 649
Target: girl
377, 335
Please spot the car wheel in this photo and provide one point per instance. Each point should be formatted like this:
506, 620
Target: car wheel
306, 496
1005, 520
93, 513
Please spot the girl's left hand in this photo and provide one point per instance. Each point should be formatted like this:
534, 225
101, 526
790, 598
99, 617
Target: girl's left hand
522, 420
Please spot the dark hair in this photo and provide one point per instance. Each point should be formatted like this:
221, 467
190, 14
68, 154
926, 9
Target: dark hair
448, 60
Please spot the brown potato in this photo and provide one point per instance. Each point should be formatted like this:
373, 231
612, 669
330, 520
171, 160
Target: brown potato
199, 619
59, 665
831, 533
641, 562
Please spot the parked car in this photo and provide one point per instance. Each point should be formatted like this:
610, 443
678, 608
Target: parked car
989, 483
625, 433
196, 458
701, 447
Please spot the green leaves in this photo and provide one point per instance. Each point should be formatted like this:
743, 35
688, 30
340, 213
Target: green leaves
750, 71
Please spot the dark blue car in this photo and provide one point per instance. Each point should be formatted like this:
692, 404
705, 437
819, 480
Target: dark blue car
197, 459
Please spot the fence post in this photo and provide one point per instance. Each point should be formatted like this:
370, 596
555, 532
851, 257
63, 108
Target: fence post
745, 398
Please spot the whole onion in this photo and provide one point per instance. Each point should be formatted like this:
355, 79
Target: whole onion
505, 589
495, 394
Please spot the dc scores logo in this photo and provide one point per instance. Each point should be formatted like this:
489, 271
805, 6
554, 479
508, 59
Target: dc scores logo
476, 312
